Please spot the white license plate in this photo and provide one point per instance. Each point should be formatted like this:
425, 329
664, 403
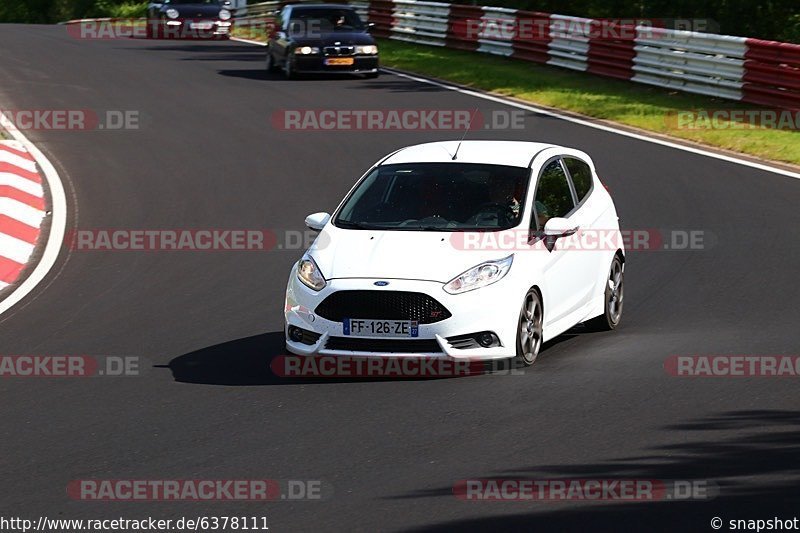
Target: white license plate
201, 25
358, 327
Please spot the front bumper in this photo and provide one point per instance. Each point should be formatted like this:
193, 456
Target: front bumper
316, 65
187, 28
493, 309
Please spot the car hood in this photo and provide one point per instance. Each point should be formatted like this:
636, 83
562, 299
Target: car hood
195, 10
342, 38
418, 255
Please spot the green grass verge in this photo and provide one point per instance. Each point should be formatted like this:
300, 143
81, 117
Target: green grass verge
636, 105
648, 108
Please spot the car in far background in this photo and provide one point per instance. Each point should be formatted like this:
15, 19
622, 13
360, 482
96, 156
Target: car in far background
187, 19
321, 38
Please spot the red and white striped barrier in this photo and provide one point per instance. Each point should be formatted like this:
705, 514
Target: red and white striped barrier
22, 209
736, 68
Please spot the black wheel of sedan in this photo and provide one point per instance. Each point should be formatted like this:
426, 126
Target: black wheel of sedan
529, 328
270, 63
371, 75
612, 299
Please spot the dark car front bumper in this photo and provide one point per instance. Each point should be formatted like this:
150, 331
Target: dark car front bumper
194, 29
316, 64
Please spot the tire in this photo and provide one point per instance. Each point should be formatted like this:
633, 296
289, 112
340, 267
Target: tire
371, 75
529, 328
613, 298
270, 62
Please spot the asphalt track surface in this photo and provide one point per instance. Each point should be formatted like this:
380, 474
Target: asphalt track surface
206, 156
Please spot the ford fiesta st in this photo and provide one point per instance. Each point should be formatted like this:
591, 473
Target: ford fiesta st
480, 250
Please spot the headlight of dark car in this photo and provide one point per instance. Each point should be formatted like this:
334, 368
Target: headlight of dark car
367, 49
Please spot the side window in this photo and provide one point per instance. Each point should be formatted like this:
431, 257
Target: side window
581, 175
553, 195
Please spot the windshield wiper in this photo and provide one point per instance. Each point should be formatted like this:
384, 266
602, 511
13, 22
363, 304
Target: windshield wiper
355, 225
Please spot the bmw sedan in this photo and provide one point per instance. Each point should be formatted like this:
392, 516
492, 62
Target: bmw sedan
176, 19
479, 250
321, 38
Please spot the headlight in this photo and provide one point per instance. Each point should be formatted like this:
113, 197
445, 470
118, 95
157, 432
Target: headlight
172, 13
308, 272
369, 49
479, 276
224, 14
306, 50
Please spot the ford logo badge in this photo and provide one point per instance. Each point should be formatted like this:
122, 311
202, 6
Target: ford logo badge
381, 283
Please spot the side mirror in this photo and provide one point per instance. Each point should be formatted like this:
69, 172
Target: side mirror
559, 227
317, 221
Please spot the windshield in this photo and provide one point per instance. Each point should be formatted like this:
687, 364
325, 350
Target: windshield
437, 197
328, 20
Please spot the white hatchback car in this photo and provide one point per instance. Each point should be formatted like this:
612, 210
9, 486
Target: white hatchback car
479, 250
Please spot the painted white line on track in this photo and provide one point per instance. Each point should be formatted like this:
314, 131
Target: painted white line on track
22, 212
58, 222
15, 249
248, 41
583, 122
21, 184
603, 127
17, 161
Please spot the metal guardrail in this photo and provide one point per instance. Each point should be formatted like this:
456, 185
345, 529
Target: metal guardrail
737, 68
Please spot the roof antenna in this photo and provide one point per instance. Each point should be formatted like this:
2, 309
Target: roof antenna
469, 125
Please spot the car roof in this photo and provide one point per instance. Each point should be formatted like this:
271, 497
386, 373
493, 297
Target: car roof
511, 153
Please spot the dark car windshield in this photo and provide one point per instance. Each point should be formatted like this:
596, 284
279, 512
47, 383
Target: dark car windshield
437, 197
327, 20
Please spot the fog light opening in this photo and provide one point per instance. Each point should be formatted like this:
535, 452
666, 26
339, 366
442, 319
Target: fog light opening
296, 334
487, 340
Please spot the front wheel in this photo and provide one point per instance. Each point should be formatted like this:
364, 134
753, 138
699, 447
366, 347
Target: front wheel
529, 328
612, 299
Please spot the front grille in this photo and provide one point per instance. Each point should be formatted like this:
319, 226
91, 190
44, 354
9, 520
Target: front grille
383, 345
463, 342
339, 51
382, 305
